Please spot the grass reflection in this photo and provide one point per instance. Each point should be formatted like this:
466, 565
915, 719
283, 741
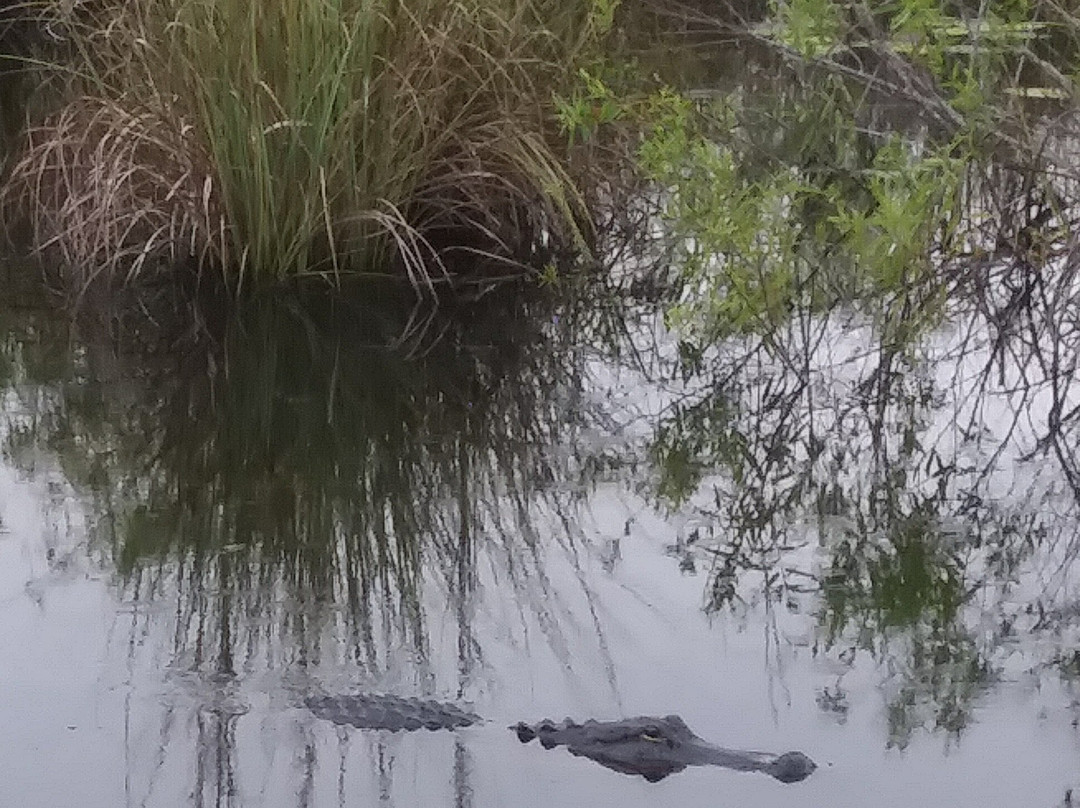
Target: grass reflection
300, 477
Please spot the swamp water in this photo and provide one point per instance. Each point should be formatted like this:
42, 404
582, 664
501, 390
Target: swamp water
860, 564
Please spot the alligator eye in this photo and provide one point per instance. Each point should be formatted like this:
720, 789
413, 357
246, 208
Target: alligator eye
650, 735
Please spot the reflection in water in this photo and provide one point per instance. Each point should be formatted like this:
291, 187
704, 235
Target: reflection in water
462, 765
925, 477
299, 502
294, 476
305, 485
215, 779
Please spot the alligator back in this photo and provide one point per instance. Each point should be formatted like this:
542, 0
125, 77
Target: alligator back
393, 713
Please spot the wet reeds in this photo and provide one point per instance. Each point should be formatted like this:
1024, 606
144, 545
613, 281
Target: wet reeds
274, 140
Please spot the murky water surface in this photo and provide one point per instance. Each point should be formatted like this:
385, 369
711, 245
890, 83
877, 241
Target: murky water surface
532, 510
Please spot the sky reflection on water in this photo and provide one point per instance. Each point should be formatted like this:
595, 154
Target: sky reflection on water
186, 556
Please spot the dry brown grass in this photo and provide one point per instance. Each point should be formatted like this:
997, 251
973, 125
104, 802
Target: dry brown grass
118, 191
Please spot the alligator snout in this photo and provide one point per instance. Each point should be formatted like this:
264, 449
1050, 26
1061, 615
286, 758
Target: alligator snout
791, 767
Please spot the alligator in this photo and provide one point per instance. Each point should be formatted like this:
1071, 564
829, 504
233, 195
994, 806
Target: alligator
648, 746
656, 747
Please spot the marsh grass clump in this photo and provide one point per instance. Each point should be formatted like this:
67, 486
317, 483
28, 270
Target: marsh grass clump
273, 140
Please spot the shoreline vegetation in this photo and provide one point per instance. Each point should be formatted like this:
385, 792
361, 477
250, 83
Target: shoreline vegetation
279, 140
768, 156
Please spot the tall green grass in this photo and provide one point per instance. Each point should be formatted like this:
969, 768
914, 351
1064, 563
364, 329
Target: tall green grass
285, 138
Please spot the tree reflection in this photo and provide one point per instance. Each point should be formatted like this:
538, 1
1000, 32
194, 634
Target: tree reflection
910, 472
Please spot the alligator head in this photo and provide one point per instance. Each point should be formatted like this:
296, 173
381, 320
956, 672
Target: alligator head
656, 747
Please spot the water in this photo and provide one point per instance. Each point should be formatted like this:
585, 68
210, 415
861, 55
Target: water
198, 534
